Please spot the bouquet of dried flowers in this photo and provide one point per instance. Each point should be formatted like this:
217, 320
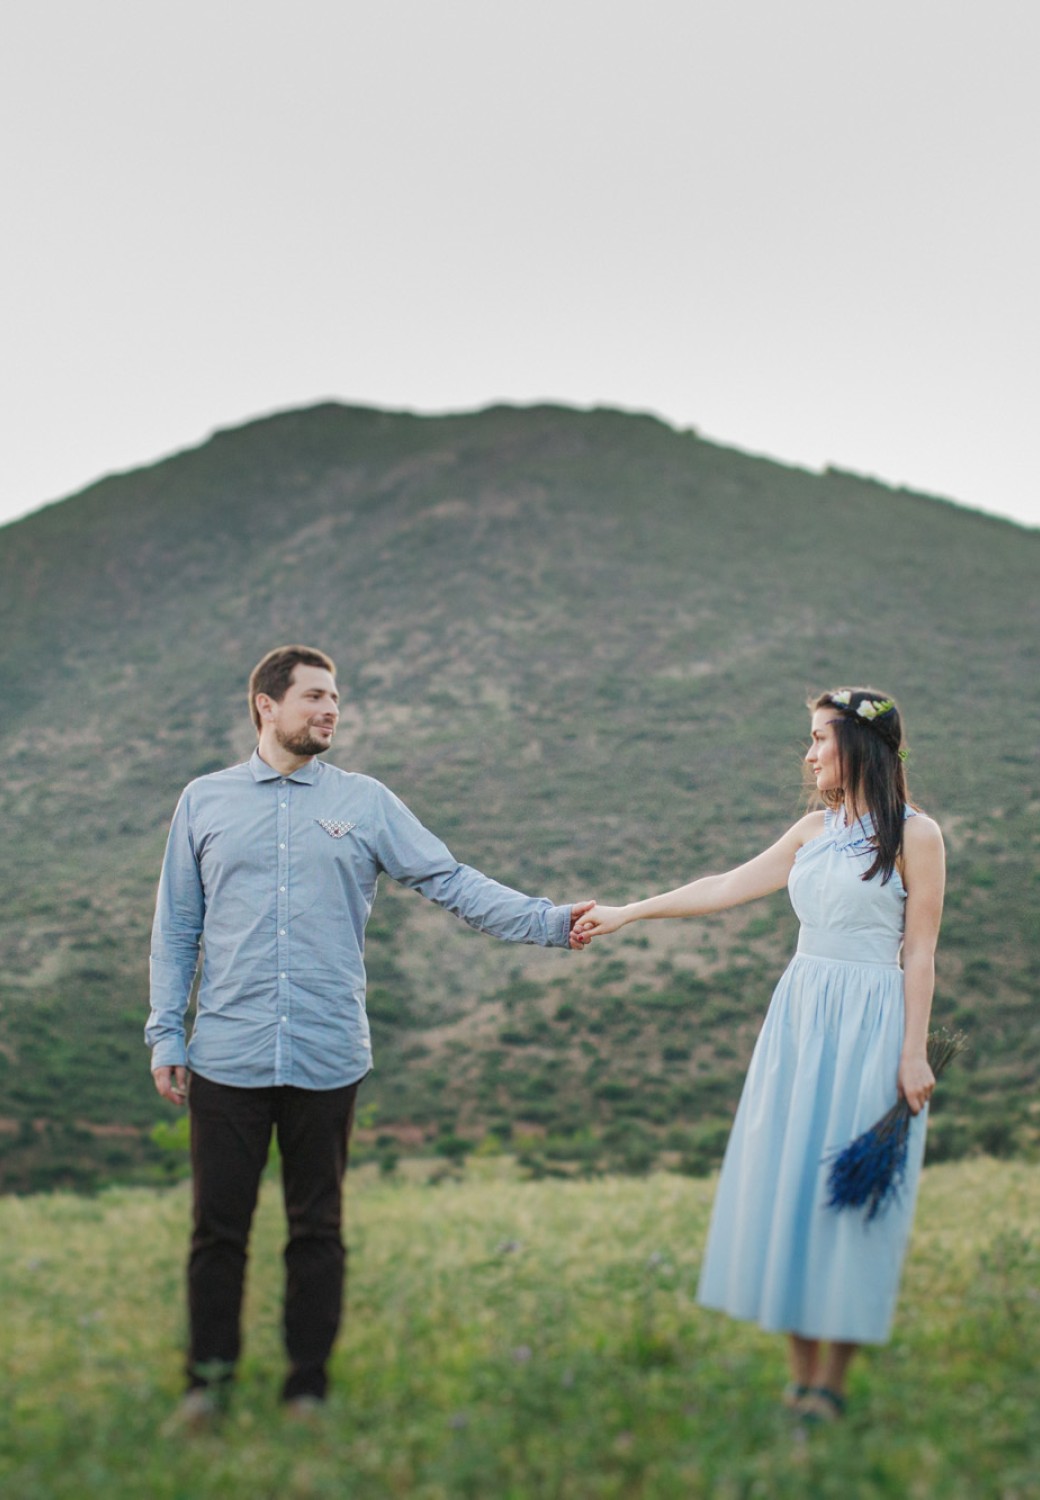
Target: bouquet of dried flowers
867, 1173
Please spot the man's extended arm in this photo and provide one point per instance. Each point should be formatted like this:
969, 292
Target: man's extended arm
414, 856
179, 912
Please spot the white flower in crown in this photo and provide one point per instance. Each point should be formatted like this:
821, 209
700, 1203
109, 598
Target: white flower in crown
868, 709
842, 699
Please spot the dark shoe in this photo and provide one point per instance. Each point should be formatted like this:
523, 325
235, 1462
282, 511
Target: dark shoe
821, 1405
793, 1394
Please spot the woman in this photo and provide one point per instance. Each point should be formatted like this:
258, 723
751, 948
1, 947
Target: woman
846, 1030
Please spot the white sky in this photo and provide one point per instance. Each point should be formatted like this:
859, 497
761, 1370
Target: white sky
809, 228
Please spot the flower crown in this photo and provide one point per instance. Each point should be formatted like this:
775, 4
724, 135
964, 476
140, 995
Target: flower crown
867, 708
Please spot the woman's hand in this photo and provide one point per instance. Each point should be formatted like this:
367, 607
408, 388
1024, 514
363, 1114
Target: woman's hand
601, 920
916, 1082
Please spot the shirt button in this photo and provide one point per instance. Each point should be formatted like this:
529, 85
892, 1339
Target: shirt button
281, 846
281, 976
285, 1020
285, 804
281, 932
281, 888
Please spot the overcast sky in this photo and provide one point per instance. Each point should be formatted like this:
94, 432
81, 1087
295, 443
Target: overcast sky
808, 228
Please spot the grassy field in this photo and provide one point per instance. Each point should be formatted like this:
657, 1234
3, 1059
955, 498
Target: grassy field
518, 1340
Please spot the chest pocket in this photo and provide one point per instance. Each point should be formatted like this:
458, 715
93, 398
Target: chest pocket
334, 828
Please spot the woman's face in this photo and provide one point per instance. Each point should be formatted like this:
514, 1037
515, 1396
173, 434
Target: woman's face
822, 756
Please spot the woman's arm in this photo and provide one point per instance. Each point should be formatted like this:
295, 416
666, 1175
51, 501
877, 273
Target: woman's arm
924, 875
767, 872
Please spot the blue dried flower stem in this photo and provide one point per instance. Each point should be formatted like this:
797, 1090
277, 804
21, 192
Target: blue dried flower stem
869, 1171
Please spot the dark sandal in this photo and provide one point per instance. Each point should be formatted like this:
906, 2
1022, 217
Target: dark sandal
821, 1405
793, 1395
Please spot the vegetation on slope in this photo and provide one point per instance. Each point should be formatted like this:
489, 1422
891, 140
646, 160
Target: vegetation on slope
577, 643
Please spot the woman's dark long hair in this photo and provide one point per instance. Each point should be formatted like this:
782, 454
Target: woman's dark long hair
872, 769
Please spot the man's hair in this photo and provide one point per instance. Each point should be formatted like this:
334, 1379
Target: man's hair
274, 673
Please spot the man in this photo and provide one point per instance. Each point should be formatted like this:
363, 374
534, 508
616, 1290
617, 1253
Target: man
273, 866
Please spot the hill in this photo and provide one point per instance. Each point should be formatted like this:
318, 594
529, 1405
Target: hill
578, 644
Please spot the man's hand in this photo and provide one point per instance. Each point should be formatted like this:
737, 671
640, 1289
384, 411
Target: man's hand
580, 940
172, 1083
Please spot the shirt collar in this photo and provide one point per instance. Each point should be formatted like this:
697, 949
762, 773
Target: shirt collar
307, 773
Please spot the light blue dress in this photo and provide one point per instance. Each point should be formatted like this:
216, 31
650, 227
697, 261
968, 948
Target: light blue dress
823, 1071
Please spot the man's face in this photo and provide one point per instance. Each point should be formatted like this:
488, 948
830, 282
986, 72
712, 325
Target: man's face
304, 722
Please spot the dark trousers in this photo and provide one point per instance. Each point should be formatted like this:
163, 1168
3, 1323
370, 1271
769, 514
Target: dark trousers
230, 1137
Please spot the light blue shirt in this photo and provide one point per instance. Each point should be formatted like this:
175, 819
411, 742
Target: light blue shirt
275, 876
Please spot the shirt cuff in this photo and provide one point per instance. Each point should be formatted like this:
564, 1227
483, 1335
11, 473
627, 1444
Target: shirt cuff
171, 1052
558, 926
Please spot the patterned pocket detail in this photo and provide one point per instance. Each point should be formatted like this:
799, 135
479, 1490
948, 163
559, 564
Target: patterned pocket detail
333, 828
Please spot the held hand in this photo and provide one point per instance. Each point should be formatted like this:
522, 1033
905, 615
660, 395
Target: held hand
172, 1083
916, 1082
601, 920
577, 939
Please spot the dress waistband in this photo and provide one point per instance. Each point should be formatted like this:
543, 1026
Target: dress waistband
850, 947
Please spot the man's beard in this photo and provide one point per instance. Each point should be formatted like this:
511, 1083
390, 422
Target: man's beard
302, 743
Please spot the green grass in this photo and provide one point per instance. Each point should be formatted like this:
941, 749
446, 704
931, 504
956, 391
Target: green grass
515, 1340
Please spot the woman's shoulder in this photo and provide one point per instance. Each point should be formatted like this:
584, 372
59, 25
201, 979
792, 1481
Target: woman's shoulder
921, 833
918, 825
810, 827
